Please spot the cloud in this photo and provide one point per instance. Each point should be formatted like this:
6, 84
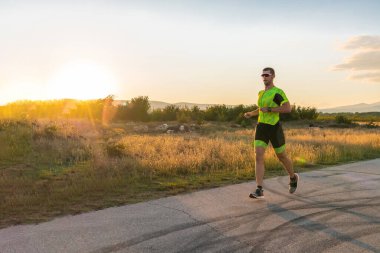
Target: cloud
366, 58
367, 42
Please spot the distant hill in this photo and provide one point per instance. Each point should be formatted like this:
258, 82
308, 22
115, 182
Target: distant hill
362, 107
158, 104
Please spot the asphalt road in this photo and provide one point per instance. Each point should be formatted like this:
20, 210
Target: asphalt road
334, 210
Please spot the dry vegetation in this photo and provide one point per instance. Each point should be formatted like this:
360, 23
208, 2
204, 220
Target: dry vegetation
64, 167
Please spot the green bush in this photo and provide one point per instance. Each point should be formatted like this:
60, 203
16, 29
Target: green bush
341, 119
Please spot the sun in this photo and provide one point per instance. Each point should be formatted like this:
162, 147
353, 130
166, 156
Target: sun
81, 80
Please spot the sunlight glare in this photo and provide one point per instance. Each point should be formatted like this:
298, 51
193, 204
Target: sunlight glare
82, 80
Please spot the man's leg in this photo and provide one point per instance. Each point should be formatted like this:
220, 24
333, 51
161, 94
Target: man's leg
277, 138
259, 165
259, 169
261, 142
278, 142
288, 164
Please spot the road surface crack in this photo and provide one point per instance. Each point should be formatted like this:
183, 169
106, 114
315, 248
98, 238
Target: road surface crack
203, 223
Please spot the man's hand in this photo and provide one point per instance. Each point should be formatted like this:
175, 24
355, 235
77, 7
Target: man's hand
264, 109
251, 114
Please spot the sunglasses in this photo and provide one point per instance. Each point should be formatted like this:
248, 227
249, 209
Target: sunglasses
265, 75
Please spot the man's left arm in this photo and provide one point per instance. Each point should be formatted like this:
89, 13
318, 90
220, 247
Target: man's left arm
284, 108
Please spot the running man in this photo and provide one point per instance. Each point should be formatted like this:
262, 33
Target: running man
272, 101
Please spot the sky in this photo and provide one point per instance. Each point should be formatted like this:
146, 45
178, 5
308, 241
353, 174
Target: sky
325, 53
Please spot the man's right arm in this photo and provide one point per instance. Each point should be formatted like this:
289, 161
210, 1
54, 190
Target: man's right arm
252, 113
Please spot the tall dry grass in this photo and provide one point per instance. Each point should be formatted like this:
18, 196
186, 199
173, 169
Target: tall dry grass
232, 151
167, 155
329, 146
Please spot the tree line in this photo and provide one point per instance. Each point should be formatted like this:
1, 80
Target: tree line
138, 109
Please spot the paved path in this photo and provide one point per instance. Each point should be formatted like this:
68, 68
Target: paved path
334, 210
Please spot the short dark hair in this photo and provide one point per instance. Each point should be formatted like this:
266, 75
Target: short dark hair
271, 70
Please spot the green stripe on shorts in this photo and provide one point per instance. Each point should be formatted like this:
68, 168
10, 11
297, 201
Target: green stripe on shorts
280, 149
259, 143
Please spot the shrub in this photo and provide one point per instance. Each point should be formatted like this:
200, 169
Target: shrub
341, 119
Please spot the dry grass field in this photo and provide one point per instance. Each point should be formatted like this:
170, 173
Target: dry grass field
52, 168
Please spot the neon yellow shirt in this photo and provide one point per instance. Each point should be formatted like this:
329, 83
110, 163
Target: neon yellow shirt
274, 97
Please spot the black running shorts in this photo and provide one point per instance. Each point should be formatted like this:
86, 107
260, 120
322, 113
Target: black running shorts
273, 133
